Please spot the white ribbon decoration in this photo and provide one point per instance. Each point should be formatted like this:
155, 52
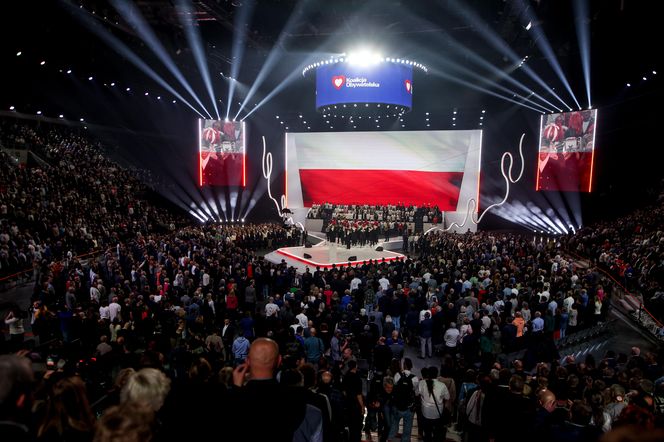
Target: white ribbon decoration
267, 174
472, 203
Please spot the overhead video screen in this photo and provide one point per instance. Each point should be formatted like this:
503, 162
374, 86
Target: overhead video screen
566, 151
383, 168
384, 83
221, 151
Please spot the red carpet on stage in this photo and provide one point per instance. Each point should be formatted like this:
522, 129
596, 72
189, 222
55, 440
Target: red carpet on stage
381, 187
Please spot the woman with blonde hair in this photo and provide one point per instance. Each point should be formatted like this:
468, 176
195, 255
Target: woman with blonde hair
147, 385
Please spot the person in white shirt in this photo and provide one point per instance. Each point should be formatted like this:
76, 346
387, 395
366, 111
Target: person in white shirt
95, 294
525, 312
302, 320
384, 283
451, 337
114, 309
355, 283
271, 309
407, 368
104, 312
567, 302
433, 394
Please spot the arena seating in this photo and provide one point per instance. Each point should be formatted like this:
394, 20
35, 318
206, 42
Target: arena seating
153, 327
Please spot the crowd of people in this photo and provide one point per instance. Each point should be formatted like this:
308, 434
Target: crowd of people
182, 331
76, 202
631, 249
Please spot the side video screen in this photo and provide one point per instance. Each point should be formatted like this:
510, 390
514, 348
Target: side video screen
222, 152
566, 151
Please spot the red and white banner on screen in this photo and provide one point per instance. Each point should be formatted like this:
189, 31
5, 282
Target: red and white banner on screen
379, 168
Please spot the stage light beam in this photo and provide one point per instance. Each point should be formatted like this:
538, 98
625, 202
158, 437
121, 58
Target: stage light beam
582, 25
133, 16
195, 42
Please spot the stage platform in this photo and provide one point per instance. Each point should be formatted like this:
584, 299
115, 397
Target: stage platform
325, 255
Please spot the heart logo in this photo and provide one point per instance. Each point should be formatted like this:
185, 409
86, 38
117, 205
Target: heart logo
409, 86
338, 81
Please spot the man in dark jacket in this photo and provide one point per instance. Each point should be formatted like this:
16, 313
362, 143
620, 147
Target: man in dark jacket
426, 332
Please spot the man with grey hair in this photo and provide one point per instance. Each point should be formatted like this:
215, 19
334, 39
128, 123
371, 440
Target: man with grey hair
16, 379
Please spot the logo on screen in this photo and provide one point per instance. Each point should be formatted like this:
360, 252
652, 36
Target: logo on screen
409, 86
338, 81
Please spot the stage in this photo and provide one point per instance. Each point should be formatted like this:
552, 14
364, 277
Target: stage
325, 254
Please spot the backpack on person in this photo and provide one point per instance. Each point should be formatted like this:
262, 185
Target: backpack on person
404, 395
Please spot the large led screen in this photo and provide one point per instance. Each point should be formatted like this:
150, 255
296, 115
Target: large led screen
383, 168
221, 152
384, 83
566, 151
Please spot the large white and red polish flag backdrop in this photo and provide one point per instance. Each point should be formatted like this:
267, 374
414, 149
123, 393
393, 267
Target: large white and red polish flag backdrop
378, 168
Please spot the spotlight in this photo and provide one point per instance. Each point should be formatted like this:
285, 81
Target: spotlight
112, 84
42, 63
69, 71
11, 107
61, 116
38, 112
146, 94
173, 101
277, 117
455, 112
158, 97
529, 25
426, 113
18, 54
81, 120
90, 78
654, 72
481, 118
644, 78
363, 57
128, 89
483, 111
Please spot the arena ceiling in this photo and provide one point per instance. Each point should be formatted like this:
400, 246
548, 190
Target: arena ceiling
422, 30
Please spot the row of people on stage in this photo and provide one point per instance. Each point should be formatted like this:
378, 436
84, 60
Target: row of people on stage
393, 213
361, 233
